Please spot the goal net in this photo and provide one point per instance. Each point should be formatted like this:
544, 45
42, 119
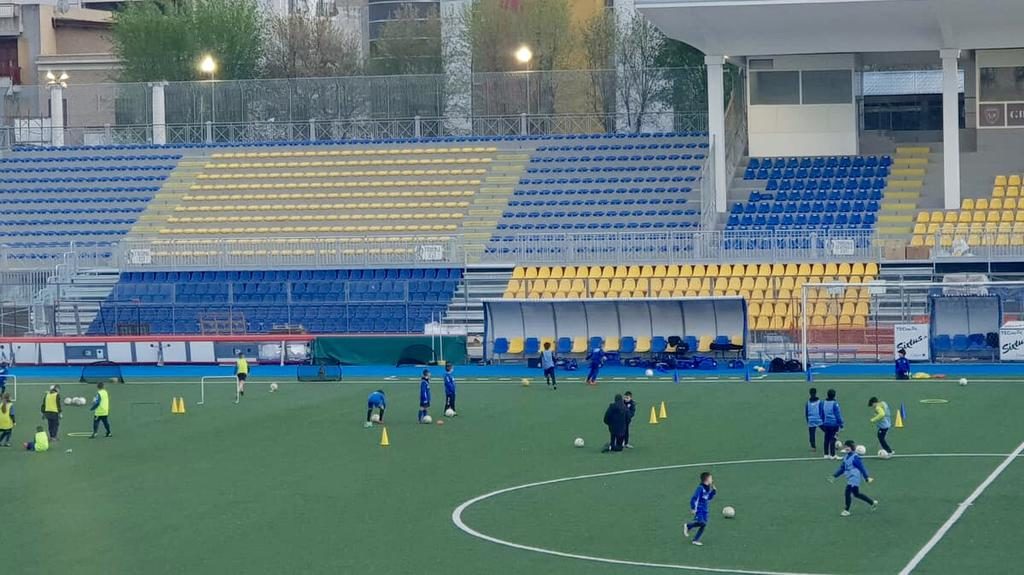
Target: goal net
319, 373
101, 371
966, 318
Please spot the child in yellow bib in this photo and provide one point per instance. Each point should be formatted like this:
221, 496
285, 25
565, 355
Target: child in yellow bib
100, 410
42, 442
6, 420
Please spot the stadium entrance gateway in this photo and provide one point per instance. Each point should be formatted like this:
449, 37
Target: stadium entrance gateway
805, 62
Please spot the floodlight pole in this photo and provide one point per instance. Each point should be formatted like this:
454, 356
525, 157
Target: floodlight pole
803, 327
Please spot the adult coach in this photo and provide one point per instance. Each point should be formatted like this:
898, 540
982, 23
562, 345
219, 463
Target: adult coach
241, 372
52, 411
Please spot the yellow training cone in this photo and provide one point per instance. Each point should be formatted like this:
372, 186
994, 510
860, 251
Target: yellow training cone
654, 416
663, 413
384, 442
174, 405
181, 405
899, 421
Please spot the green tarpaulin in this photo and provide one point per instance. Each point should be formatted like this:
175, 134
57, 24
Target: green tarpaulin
388, 350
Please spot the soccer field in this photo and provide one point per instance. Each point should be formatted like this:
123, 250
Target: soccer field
291, 482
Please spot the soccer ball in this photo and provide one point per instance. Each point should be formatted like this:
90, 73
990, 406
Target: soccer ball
839, 444
728, 512
963, 381
578, 442
449, 412
375, 418
861, 450
69, 400
273, 387
427, 419
82, 401
883, 454
525, 382
759, 368
649, 372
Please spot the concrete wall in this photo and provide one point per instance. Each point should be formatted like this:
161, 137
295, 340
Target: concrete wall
804, 129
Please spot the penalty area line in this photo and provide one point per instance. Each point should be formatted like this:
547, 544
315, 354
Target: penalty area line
960, 510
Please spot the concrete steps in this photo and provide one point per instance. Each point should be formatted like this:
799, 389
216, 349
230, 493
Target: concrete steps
490, 202
903, 192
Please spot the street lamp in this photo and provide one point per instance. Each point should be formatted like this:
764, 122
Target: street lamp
524, 55
54, 80
209, 66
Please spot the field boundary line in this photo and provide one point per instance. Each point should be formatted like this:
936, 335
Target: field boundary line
960, 510
462, 526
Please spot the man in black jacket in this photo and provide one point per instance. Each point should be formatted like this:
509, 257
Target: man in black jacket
616, 417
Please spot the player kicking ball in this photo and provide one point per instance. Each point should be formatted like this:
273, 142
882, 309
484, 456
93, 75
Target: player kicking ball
700, 504
853, 467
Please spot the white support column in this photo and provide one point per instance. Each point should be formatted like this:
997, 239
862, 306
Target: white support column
951, 128
159, 114
716, 127
56, 115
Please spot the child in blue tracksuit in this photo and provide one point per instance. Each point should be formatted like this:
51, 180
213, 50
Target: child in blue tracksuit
902, 365
831, 422
853, 467
812, 413
3, 378
376, 401
596, 361
424, 395
699, 505
449, 389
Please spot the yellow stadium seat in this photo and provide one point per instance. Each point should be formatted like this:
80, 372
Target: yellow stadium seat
981, 204
804, 270
608, 272
647, 272
917, 241
1013, 192
620, 272
1014, 180
660, 271
530, 273
1001, 181
998, 191
967, 204
977, 217
677, 271
920, 228
611, 344
1006, 216
992, 216
1010, 203
922, 218
515, 345
711, 270
725, 270
643, 344
579, 344
704, 343
616, 285
555, 272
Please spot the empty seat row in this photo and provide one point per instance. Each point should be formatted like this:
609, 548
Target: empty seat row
837, 195
610, 169
592, 226
791, 270
79, 169
605, 202
831, 206
627, 147
613, 158
344, 163
292, 275
820, 162
327, 185
813, 174
602, 191
84, 158
606, 180
83, 180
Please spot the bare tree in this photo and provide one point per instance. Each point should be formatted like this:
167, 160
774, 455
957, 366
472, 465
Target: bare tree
305, 45
638, 83
410, 43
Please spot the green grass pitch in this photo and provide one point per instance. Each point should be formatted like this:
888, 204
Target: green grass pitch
291, 482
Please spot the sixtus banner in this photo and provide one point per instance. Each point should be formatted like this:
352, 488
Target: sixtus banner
914, 338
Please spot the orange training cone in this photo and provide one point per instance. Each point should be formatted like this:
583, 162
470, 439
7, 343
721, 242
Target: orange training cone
663, 413
654, 416
384, 441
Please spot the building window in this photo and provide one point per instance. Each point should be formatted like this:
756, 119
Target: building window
827, 86
774, 88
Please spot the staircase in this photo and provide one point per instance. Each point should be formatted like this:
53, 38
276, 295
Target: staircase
901, 304
903, 192
490, 202
68, 308
466, 308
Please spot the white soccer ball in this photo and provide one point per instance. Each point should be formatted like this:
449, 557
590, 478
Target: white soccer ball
426, 419
273, 387
578, 442
69, 400
963, 381
649, 372
449, 412
839, 444
728, 512
861, 450
375, 418
883, 454
759, 368
525, 382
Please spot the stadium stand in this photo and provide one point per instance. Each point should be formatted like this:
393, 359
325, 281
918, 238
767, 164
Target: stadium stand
834, 193
309, 301
773, 291
996, 220
92, 199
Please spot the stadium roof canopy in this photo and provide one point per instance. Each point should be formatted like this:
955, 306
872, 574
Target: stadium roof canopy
777, 27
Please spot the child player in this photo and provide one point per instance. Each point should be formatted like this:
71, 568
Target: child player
42, 442
449, 388
902, 365
377, 401
100, 411
855, 471
596, 360
424, 395
882, 421
699, 504
7, 420
627, 398
241, 372
832, 422
547, 362
812, 412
